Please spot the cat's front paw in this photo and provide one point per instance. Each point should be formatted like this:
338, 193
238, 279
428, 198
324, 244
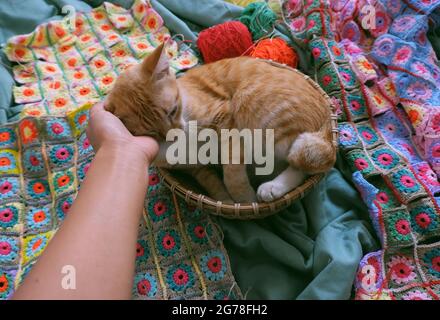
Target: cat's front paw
270, 191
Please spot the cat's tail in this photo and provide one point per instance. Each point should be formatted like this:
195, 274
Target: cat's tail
313, 152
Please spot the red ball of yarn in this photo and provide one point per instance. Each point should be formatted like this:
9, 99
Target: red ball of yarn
276, 50
227, 40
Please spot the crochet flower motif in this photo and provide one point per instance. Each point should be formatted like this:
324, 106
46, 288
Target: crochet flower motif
421, 69
8, 161
159, 209
8, 188
347, 76
6, 285
83, 168
7, 137
356, 105
383, 47
405, 182
399, 226
33, 160
38, 189
63, 207
8, 216
37, 218
168, 242
153, 182
386, 159
382, 23
434, 151
199, 232
145, 285
419, 90
402, 55
142, 251
390, 125
403, 23
35, 246
368, 135
28, 131
347, 135
382, 197
326, 80
432, 262
406, 149
84, 146
360, 162
81, 119
316, 52
401, 269
8, 250
298, 24
61, 154
424, 219
365, 66
416, 295
213, 265
180, 277
63, 180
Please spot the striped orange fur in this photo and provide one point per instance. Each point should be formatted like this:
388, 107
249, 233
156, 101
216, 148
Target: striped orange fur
232, 93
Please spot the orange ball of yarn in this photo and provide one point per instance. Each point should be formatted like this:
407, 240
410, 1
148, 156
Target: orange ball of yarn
227, 40
276, 50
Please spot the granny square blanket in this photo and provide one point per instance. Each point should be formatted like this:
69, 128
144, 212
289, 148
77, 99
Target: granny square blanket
62, 69
384, 79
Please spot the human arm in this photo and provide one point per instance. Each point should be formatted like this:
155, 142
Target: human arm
98, 236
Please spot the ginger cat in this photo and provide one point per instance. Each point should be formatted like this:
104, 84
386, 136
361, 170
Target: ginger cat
232, 93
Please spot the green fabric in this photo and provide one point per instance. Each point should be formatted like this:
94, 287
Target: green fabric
310, 251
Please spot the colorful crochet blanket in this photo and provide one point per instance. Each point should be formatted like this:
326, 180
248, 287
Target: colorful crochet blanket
384, 78
62, 68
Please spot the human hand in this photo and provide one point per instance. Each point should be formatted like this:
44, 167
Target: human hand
106, 131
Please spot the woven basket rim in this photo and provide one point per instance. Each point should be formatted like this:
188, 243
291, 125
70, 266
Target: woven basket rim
242, 211
256, 210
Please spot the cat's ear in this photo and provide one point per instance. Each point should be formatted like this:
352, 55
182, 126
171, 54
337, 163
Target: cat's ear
157, 64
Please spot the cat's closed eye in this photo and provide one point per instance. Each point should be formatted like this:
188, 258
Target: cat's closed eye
173, 112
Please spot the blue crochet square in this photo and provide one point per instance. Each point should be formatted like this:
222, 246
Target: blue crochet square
33, 162
38, 219
146, 285
61, 155
10, 188
397, 228
58, 129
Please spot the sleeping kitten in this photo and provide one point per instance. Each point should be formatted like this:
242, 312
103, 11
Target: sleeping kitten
232, 93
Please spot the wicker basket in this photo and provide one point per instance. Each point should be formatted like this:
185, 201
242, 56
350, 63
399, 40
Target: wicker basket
246, 211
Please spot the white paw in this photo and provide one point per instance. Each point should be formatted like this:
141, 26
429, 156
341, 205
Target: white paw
270, 191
